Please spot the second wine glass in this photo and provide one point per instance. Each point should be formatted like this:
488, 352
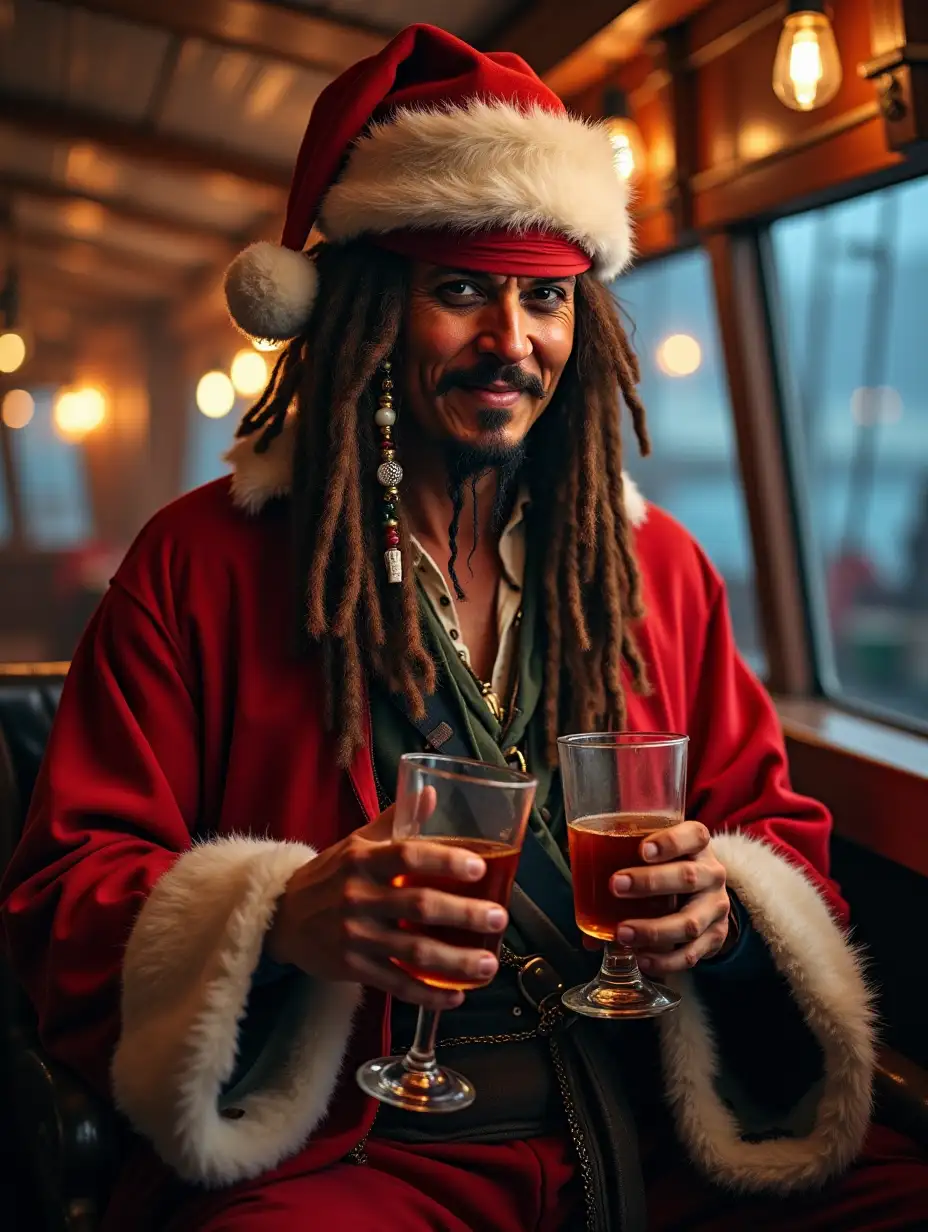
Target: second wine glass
619, 787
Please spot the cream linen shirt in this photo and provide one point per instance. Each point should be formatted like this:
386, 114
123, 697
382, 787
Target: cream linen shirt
508, 596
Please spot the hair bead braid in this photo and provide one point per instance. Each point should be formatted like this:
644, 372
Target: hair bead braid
368, 627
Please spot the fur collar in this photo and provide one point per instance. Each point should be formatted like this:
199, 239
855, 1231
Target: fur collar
260, 477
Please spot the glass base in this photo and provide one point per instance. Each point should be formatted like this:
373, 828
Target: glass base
632, 998
429, 1089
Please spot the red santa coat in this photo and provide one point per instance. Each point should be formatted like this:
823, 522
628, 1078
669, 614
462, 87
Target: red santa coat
189, 774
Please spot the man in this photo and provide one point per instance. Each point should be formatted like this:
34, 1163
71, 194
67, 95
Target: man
428, 517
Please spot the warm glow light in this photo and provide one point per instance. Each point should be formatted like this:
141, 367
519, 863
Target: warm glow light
248, 372
12, 352
627, 147
807, 67
215, 395
79, 411
267, 344
18, 408
679, 355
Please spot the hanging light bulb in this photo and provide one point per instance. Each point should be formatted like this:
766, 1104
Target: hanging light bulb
18, 408
628, 148
807, 67
248, 372
679, 355
215, 394
78, 411
12, 351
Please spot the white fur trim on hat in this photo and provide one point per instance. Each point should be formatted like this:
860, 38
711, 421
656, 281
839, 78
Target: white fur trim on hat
271, 290
826, 981
187, 974
485, 165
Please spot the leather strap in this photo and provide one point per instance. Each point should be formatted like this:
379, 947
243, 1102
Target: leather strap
537, 874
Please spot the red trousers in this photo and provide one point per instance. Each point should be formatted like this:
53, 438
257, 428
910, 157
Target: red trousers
532, 1187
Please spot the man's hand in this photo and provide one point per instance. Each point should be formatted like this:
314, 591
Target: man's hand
338, 918
678, 860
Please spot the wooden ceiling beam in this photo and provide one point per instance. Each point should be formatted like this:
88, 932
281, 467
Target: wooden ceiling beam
307, 39
169, 274
178, 153
548, 30
619, 39
118, 207
141, 279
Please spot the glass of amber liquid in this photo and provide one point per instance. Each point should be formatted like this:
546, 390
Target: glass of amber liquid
618, 788
484, 809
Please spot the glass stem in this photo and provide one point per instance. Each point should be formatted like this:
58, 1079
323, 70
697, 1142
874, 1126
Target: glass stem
421, 1056
620, 966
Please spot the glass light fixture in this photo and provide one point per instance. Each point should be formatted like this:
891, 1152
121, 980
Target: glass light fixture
248, 372
679, 355
215, 394
12, 351
18, 408
77, 412
628, 148
807, 67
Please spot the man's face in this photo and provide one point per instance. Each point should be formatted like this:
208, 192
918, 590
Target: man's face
484, 354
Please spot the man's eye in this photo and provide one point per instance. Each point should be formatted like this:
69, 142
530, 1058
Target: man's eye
458, 287
549, 295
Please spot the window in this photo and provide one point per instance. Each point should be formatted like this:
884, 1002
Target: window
53, 485
693, 469
855, 323
207, 441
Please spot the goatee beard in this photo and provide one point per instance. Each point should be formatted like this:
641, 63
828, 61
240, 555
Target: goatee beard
465, 466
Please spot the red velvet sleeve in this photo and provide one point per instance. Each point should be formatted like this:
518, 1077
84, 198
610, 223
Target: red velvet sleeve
739, 778
116, 800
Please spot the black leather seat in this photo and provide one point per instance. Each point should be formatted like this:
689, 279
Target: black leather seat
63, 1139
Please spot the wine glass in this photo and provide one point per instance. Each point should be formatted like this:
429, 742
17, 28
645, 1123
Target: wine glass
484, 809
618, 788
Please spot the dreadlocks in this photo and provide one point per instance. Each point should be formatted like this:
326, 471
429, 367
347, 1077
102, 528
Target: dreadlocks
573, 469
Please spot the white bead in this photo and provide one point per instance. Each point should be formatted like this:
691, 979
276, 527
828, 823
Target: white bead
394, 562
389, 474
385, 418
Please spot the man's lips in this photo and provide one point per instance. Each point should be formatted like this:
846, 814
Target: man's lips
494, 396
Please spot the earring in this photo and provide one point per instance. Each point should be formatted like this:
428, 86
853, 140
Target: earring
389, 474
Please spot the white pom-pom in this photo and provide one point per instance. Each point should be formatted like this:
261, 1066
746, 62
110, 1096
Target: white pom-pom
271, 290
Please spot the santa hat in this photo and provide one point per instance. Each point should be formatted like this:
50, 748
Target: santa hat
445, 154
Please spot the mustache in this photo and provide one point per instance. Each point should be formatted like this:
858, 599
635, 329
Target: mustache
489, 371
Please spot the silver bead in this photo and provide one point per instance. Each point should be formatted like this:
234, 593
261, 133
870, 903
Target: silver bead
389, 474
394, 562
385, 418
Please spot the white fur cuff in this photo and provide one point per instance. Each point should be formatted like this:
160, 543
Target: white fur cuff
186, 978
825, 978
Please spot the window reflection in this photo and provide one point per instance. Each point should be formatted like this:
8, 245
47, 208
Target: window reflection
850, 282
693, 470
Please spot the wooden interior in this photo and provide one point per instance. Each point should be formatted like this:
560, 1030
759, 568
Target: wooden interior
125, 191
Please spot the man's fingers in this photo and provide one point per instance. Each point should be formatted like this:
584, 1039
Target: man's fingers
419, 858
419, 905
389, 978
699, 914
686, 839
683, 958
451, 962
679, 877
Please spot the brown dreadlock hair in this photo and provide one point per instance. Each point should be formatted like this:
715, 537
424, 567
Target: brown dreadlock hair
365, 625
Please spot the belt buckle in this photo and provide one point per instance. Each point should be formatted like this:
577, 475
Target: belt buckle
539, 983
